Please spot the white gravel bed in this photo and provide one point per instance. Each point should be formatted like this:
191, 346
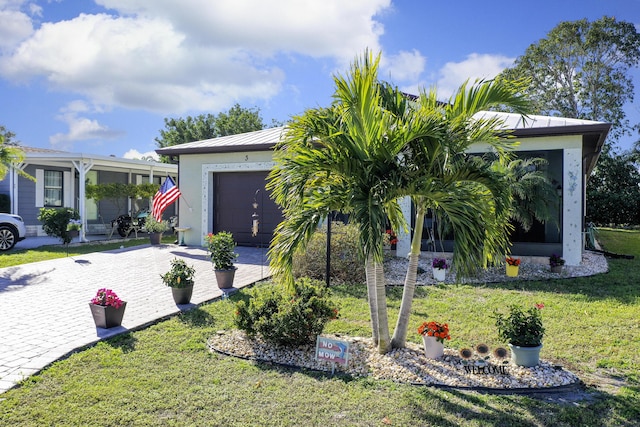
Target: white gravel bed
530, 269
407, 365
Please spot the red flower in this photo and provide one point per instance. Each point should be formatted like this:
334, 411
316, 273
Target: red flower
539, 306
513, 261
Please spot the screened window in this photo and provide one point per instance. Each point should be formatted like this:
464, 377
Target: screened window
53, 188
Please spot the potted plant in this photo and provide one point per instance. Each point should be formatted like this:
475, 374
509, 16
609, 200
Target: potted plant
221, 248
523, 331
180, 280
73, 227
556, 262
391, 239
433, 336
155, 229
107, 309
512, 266
439, 266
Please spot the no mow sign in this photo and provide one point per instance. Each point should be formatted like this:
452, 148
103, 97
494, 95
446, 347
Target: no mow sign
331, 350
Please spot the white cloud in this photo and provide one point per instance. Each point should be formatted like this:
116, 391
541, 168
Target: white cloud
405, 66
80, 128
14, 28
193, 55
476, 66
332, 28
136, 155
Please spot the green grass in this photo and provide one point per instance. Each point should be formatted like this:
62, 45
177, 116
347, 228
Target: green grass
164, 375
624, 242
19, 256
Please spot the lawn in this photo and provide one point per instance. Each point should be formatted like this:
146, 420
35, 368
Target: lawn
19, 256
164, 375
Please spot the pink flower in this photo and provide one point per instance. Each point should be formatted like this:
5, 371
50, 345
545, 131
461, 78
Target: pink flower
539, 306
107, 297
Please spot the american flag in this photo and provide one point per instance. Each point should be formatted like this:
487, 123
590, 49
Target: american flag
167, 194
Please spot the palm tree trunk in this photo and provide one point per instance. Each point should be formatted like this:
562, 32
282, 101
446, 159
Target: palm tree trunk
384, 341
400, 333
371, 293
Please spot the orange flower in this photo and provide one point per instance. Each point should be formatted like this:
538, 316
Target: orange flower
435, 329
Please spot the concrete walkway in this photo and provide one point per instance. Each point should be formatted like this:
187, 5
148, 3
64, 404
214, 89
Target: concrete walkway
44, 306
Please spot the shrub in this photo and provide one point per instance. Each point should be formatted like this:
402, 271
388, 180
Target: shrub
286, 318
347, 265
55, 222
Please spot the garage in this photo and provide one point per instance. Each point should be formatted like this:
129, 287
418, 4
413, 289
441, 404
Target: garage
233, 196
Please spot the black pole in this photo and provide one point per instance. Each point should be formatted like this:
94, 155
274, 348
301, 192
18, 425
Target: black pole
328, 269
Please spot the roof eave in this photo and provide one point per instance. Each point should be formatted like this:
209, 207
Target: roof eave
176, 150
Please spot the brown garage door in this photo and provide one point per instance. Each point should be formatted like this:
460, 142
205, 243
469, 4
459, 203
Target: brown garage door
233, 197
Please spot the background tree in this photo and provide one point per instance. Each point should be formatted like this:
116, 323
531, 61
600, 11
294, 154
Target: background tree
205, 126
613, 193
8, 136
581, 70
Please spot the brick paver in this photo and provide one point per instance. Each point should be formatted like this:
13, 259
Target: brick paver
44, 306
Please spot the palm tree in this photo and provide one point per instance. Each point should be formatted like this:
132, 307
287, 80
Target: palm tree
470, 193
373, 146
11, 156
532, 191
347, 157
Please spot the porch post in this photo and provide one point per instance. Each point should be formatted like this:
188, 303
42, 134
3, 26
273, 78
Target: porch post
572, 202
404, 239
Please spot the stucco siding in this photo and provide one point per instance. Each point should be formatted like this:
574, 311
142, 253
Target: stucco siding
196, 186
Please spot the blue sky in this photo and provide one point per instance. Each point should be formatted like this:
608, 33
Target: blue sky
100, 76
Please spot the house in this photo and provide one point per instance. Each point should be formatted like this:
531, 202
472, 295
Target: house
224, 181
60, 182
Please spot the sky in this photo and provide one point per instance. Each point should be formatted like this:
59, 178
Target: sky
100, 76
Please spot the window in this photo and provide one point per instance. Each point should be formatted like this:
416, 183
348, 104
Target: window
53, 188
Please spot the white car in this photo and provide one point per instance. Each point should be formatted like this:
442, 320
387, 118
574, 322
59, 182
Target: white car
12, 231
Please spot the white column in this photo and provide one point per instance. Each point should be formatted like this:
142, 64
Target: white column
404, 239
82, 169
572, 197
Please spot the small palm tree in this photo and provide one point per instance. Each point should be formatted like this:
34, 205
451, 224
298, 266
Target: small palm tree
10, 156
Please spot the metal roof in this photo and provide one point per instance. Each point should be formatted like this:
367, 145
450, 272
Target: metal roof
515, 121
44, 156
261, 140
593, 135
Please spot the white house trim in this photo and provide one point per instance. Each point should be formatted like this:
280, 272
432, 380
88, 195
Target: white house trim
208, 170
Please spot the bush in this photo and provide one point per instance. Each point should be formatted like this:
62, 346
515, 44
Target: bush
55, 221
347, 265
286, 318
